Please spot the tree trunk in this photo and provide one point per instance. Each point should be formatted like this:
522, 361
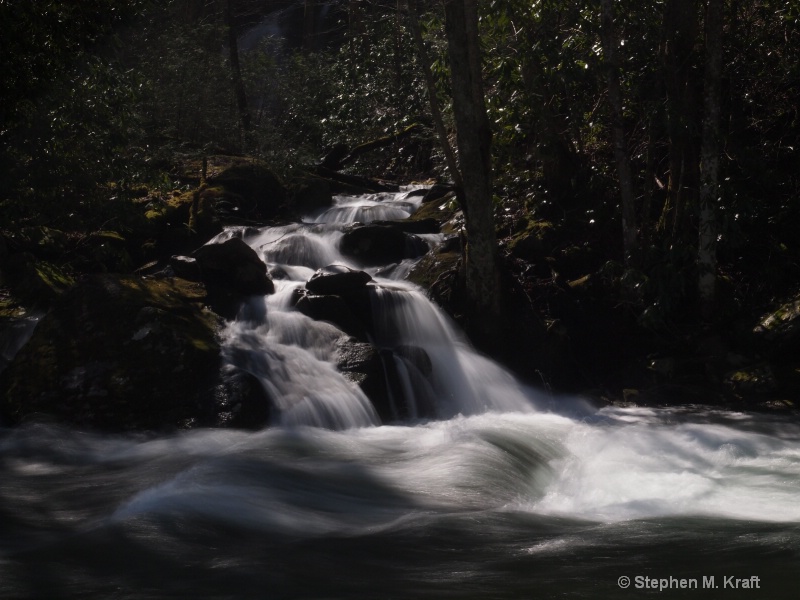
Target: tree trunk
680, 36
629, 225
474, 146
709, 164
310, 25
236, 71
433, 99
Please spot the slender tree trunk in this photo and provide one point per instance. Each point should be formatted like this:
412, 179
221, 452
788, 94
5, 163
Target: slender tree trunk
709, 165
236, 71
630, 231
474, 139
309, 25
680, 36
433, 99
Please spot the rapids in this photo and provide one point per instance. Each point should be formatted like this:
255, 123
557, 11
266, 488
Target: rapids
507, 493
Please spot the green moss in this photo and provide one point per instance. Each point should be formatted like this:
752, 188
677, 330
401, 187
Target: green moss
432, 266
532, 240
442, 210
55, 279
118, 353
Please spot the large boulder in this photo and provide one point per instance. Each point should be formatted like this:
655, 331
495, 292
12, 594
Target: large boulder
309, 194
235, 265
337, 280
258, 192
348, 315
380, 244
119, 354
376, 372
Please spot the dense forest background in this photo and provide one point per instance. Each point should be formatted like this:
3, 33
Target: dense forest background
644, 155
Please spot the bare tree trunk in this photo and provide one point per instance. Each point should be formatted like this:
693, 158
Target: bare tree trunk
236, 71
680, 35
630, 231
709, 162
309, 25
433, 99
474, 139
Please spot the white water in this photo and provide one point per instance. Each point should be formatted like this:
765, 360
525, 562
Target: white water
293, 356
508, 494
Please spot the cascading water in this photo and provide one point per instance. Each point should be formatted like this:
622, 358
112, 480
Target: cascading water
505, 495
293, 356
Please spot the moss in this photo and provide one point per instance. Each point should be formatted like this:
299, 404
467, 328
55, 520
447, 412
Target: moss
118, 353
442, 209
532, 240
52, 277
432, 266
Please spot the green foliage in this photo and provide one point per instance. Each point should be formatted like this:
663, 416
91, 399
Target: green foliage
376, 87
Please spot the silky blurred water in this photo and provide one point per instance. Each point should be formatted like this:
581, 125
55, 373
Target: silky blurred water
497, 505
506, 492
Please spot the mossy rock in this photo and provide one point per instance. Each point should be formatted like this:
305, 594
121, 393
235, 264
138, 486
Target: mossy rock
442, 210
432, 266
781, 327
119, 354
35, 282
263, 195
533, 240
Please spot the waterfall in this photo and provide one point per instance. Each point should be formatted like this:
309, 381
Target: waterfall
294, 357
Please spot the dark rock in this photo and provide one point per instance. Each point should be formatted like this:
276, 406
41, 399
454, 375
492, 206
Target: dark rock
242, 401
186, 267
376, 372
236, 265
337, 280
116, 354
416, 356
362, 364
262, 193
335, 310
451, 244
437, 192
781, 327
36, 282
310, 194
428, 225
752, 381
533, 242
378, 245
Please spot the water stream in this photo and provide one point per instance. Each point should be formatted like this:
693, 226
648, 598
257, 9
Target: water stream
503, 493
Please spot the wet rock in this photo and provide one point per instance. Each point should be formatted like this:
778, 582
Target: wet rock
242, 401
363, 364
416, 356
186, 267
335, 310
118, 354
428, 225
233, 264
379, 245
377, 373
337, 280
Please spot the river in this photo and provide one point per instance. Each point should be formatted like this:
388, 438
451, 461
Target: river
506, 492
